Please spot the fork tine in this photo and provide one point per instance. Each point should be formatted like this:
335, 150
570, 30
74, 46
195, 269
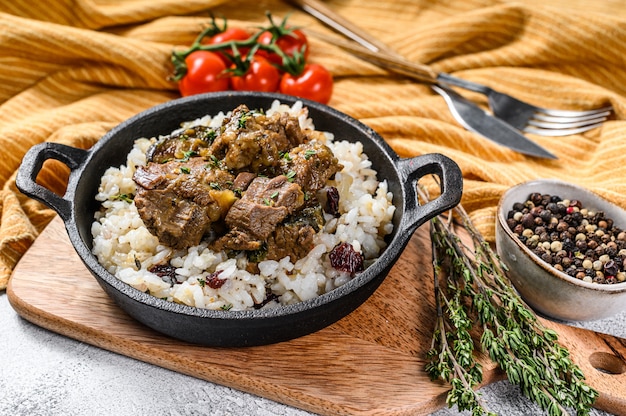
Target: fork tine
564, 123
604, 111
557, 132
586, 118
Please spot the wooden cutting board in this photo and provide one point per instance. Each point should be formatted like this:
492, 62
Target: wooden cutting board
371, 362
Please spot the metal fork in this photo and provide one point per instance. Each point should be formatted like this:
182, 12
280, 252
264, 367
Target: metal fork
519, 114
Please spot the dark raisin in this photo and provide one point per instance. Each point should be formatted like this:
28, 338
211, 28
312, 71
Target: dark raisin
269, 297
166, 272
345, 258
213, 280
332, 201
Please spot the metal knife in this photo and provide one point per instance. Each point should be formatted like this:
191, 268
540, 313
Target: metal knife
475, 119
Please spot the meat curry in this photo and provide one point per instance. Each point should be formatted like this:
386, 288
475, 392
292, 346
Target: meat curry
254, 184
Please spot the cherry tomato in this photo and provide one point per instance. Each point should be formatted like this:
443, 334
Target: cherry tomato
205, 73
289, 43
230, 34
314, 83
261, 76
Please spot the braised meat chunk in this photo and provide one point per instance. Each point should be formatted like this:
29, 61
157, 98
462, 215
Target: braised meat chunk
294, 237
177, 222
184, 144
178, 200
310, 165
264, 205
255, 142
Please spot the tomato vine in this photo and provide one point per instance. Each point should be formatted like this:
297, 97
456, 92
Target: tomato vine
273, 58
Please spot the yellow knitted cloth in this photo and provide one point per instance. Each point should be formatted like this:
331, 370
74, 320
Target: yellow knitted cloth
72, 69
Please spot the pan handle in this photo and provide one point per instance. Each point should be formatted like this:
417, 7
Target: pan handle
450, 178
31, 166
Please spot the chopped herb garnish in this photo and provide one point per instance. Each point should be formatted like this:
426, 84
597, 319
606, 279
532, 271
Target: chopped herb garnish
243, 119
257, 256
214, 162
201, 282
227, 307
274, 195
215, 185
309, 153
210, 135
189, 154
291, 175
285, 155
185, 169
125, 197
267, 202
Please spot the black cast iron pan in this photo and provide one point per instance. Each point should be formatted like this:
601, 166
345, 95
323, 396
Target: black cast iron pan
236, 328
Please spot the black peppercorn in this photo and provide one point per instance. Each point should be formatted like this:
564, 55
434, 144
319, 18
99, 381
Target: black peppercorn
535, 197
547, 257
527, 220
610, 268
569, 245
552, 207
511, 223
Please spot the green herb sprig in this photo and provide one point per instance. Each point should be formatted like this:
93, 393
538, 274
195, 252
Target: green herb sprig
474, 295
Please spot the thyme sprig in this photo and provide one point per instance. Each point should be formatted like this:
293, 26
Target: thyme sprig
474, 296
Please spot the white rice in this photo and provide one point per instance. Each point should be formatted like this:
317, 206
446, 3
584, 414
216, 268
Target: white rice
121, 242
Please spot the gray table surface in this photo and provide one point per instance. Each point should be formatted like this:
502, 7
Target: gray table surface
44, 373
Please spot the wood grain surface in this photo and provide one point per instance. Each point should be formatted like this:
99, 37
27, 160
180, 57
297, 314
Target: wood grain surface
371, 362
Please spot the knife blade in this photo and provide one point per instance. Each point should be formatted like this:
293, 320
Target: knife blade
475, 119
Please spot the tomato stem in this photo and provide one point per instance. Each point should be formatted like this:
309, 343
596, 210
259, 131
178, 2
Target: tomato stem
291, 64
